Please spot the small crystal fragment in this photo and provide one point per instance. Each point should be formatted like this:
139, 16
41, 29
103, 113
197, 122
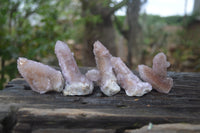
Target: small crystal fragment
160, 64
41, 78
93, 75
131, 83
157, 75
75, 82
108, 81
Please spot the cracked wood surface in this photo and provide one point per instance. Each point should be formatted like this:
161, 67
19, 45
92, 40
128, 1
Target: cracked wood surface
22, 110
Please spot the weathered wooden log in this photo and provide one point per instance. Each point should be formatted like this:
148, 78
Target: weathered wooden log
22, 110
167, 128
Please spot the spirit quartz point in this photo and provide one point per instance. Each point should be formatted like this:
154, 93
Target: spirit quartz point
75, 82
157, 75
41, 78
108, 81
131, 83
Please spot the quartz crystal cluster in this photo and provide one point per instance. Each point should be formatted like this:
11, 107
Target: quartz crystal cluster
75, 82
110, 74
131, 83
112, 71
41, 78
107, 80
157, 75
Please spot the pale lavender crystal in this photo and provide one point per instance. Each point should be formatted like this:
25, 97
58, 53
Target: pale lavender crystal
131, 83
157, 75
108, 81
76, 83
93, 75
160, 64
41, 78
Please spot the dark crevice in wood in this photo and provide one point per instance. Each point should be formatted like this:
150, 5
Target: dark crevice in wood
9, 121
133, 127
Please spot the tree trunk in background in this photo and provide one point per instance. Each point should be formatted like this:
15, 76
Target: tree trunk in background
196, 7
101, 30
132, 32
132, 19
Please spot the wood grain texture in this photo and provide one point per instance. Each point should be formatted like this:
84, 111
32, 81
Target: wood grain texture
167, 128
22, 110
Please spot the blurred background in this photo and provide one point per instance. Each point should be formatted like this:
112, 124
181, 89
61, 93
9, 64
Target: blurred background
134, 30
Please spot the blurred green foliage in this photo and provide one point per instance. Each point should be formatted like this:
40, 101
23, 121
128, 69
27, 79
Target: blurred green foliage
30, 28
177, 36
